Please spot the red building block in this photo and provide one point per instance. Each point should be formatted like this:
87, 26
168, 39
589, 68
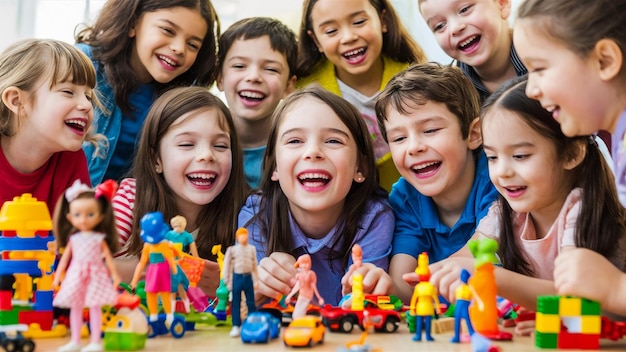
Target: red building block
5, 300
578, 341
44, 318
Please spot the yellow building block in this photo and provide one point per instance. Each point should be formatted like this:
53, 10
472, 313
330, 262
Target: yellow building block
547, 323
570, 307
591, 324
25, 215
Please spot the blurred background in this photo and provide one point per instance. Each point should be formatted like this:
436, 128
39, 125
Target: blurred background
58, 18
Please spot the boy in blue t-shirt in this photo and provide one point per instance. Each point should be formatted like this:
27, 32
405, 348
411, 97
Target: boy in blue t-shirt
429, 116
257, 62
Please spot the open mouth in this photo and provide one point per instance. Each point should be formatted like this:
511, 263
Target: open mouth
426, 168
251, 96
469, 42
313, 180
201, 180
166, 60
354, 55
79, 125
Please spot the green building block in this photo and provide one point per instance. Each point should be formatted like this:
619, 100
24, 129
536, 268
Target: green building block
546, 340
589, 307
9, 317
548, 304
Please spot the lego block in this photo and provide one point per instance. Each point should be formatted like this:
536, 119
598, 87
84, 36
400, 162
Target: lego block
578, 341
8, 317
5, 300
546, 340
572, 325
43, 300
43, 318
589, 307
548, 323
18, 243
548, 304
591, 324
25, 215
570, 307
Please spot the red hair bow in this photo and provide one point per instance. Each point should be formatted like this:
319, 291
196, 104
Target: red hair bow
107, 189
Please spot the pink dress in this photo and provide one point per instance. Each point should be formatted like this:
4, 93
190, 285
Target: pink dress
87, 281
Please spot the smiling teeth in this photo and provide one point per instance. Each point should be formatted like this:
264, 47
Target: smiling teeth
423, 166
313, 176
252, 95
167, 60
354, 52
201, 176
80, 123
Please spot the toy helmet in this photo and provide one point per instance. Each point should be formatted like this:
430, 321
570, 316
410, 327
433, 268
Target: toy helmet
153, 228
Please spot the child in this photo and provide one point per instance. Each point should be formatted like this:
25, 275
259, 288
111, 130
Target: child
188, 163
141, 48
429, 116
548, 204
257, 60
319, 197
47, 90
563, 47
477, 34
353, 48
85, 228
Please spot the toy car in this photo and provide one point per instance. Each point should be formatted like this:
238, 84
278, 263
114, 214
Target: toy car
12, 340
304, 331
260, 327
284, 310
343, 320
177, 328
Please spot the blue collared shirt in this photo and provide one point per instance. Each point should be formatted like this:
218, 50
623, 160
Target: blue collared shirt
374, 234
418, 227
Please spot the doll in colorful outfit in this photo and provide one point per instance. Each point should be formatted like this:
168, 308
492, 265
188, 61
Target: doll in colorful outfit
158, 255
86, 233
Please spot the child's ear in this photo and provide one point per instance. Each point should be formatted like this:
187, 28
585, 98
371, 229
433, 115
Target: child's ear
158, 167
274, 176
291, 85
610, 58
358, 177
12, 97
317, 43
474, 138
219, 82
505, 8
383, 20
579, 152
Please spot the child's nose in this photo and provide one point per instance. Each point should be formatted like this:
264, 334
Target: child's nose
348, 35
313, 151
416, 145
177, 45
206, 154
253, 75
457, 26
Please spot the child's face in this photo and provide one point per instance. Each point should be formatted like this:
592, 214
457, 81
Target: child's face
254, 78
473, 32
85, 214
167, 42
57, 118
430, 152
195, 158
350, 34
523, 164
316, 158
566, 84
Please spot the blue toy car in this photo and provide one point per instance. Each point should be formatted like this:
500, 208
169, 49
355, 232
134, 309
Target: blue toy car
260, 327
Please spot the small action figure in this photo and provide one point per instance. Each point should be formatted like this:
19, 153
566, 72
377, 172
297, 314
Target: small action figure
306, 286
241, 274
463, 295
424, 295
183, 241
85, 229
158, 256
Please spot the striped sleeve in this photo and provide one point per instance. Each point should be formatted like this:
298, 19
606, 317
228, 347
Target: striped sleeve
123, 204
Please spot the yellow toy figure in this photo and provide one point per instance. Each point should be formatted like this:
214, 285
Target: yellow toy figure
158, 256
85, 228
424, 301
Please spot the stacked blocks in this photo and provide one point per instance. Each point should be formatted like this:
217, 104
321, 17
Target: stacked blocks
567, 323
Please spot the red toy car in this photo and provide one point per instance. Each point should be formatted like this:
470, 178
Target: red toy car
343, 320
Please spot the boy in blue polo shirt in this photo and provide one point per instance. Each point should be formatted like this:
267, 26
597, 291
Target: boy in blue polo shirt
429, 116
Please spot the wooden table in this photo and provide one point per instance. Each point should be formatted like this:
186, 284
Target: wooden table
217, 339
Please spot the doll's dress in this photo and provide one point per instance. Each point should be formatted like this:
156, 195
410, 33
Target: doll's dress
87, 281
158, 272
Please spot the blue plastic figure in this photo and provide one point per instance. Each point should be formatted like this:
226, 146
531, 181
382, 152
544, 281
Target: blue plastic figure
463, 296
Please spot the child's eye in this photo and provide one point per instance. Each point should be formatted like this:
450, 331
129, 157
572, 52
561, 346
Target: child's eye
194, 46
185, 144
330, 31
272, 69
238, 66
521, 156
68, 91
360, 22
397, 139
432, 130
334, 141
222, 146
491, 158
167, 30
294, 141
439, 26
464, 9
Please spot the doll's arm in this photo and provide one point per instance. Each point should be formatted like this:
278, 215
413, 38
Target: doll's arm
314, 287
65, 259
108, 260
145, 253
193, 249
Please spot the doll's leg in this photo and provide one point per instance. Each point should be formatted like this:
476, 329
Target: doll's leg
76, 324
153, 309
166, 300
95, 323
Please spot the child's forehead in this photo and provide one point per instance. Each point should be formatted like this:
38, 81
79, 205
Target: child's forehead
248, 47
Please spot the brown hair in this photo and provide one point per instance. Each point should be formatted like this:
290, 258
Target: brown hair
397, 42
422, 83
218, 220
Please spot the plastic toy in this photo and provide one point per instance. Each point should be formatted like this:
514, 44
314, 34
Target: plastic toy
85, 229
260, 327
183, 242
241, 276
567, 322
27, 250
463, 295
158, 256
483, 310
284, 311
482, 344
12, 340
306, 286
343, 320
304, 331
222, 291
127, 329
424, 301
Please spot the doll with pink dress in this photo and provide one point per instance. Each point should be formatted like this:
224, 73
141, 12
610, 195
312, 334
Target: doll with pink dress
85, 232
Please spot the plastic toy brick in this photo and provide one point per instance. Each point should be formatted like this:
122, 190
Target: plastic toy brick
548, 304
35, 331
5, 300
589, 307
546, 340
591, 324
25, 215
43, 318
548, 323
570, 307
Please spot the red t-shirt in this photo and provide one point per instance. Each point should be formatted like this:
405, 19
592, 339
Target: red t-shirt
46, 183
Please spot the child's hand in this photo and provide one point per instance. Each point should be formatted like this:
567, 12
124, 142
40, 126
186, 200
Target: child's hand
375, 280
210, 279
445, 275
585, 273
276, 276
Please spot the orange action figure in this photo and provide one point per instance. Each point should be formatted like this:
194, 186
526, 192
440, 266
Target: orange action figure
306, 283
424, 295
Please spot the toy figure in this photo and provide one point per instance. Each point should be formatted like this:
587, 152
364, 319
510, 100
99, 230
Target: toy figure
240, 268
357, 257
463, 295
158, 256
306, 284
484, 310
85, 229
222, 291
183, 242
424, 295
